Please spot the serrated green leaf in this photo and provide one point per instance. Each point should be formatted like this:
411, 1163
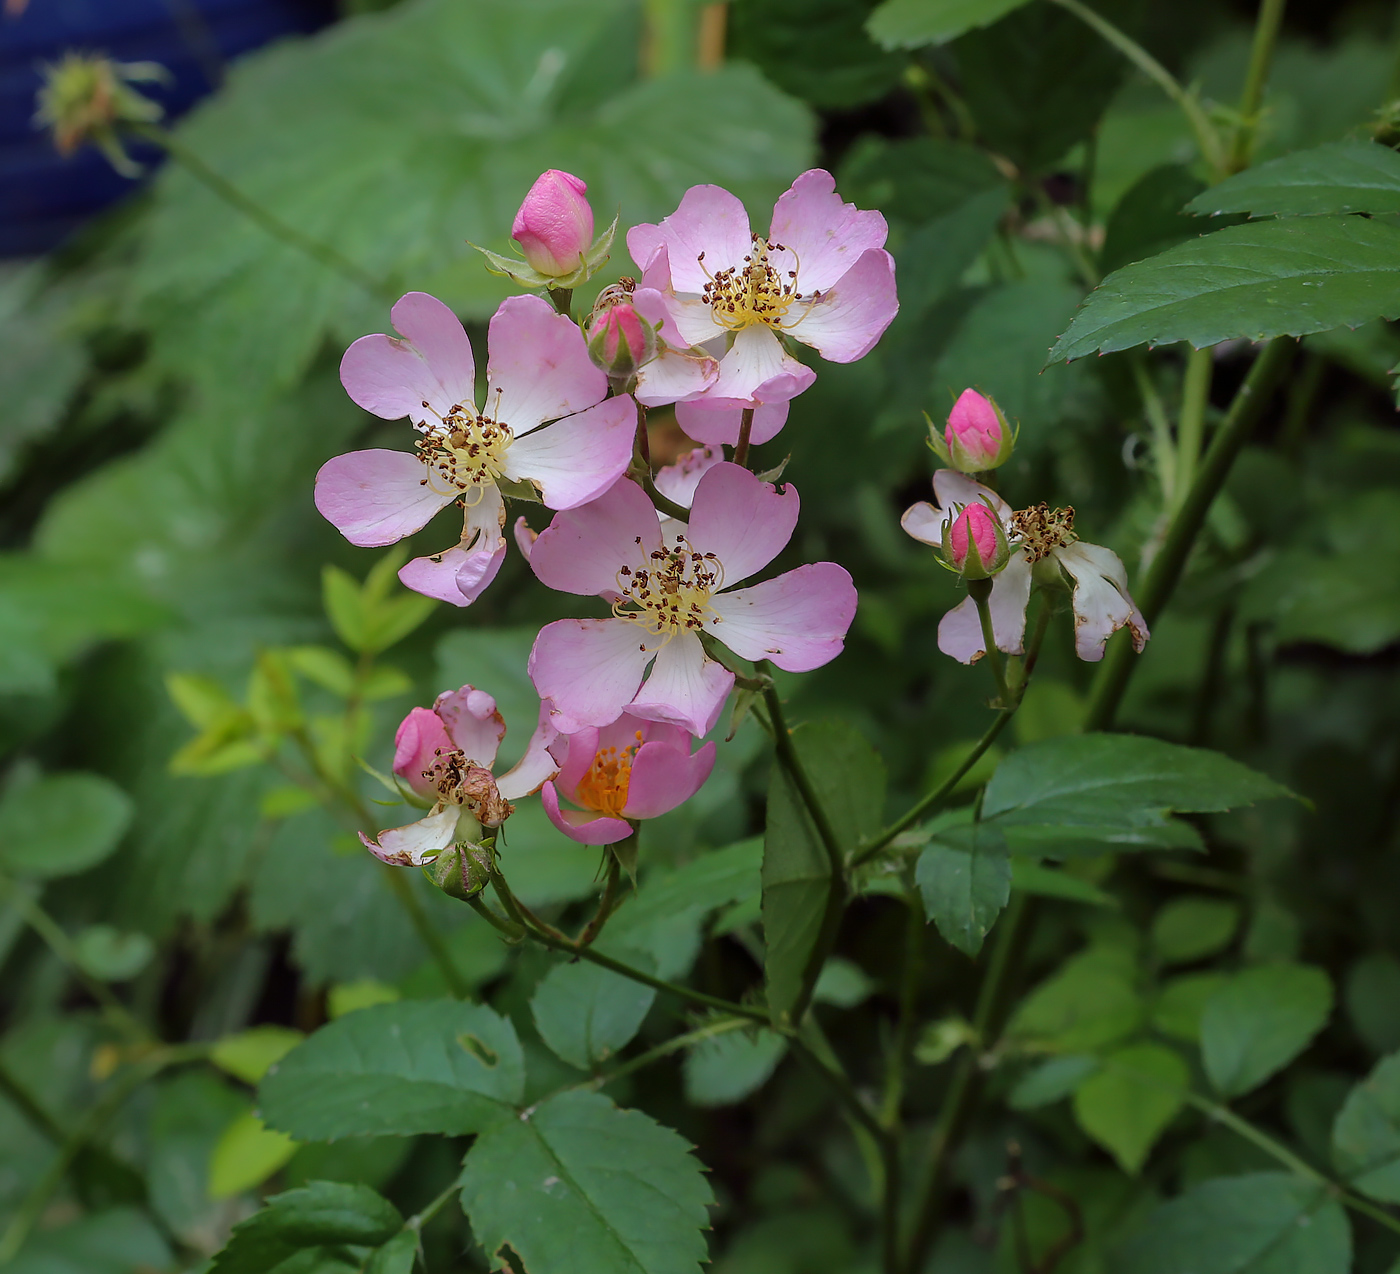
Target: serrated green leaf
582, 1185
1348, 176
727, 1068
964, 878
1257, 281
586, 1013
1128, 1104
1366, 1136
248, 1054
322, 1214
397, 1256
61, 824
798, 899
415, 1066
246, 1155
912, 24
1148, 219
1259, 1021
1265, 1222
1189, 929
1085, 840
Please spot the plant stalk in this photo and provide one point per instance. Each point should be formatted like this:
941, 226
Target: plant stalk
741, 448
1261, 56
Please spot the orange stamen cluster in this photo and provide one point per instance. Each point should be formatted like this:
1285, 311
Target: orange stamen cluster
604, 787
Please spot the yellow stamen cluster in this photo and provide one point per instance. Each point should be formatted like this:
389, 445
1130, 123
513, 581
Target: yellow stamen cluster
463, 450
672, 594
1040, 530
604, 787
740, 297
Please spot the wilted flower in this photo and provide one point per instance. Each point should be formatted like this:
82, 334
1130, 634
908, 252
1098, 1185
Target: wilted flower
86, 98
445, 755
1042, 543
821, 276
538, 371
629, 770
667, 589
977, 436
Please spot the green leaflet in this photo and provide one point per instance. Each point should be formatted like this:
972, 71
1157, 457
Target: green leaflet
1348, 176
61, 824
964, 878
581, 1186
323, 1214
725, 1069
1265, 1222
1259, 1021
1275, 278
910, 24
586, 1013
415, 1066
1127, 1105
1188, 929
1366, 1136
798, 900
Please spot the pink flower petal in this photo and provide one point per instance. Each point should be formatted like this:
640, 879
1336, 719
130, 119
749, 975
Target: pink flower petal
576, 459
716, 425
664, 776
1102, 604
585, 827
742, 520
473, 722
377, 497
583, 747
417, 743
583, 549
798, 620
758, 370
415, 844
590, 668
463, 573
537, 766
675, 373
852, 314
960, 630
538, 367
433, 363
678, 481
826, 234
685, 687
524, 538
709, 222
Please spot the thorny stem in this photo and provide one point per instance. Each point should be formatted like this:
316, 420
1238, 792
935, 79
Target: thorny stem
1166, 569
1191, 429
254, 211
741, 448
931, 800
1261, 56
1206, 137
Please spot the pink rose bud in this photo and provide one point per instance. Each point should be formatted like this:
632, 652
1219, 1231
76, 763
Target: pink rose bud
977, 437
554, 226
976, 545
619, 341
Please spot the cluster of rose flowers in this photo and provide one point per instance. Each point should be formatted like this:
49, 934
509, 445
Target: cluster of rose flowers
705, 329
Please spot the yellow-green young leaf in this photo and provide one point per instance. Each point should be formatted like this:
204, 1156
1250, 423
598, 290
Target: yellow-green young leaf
248, 1054
215, 753
1128, 1104
61, 824
316, 1221
1189, 929
326, 667
1089, 1003
246, 1155
384, 682
911, 24
1259, 1021
284, 801
1366, 1136
202, 701
272, 694
347, 997
581, 1185
389, 622
345, 608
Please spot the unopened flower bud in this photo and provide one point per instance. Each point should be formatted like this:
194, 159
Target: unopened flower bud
620, 341
554, 226
85, 98
977, 436
461, 871
974, 543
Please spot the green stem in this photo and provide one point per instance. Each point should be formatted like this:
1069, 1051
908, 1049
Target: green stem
664, 504
980, 590
1166, 569
513, 932
741, 448
910, 981
1261, 55
254, 211
1163, 451
931, 800
1207, 139
721, 1026
608, 904
1191, 428
23, 1100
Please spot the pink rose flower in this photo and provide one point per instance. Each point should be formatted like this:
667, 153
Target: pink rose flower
667, 589
538, 370
821, 276
1038, 535
445, 754
554, 226
629, 770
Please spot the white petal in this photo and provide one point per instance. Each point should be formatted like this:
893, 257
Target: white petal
960, 630
1102, 604
415, 844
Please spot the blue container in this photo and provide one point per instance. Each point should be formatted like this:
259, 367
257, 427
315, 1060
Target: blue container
44, 197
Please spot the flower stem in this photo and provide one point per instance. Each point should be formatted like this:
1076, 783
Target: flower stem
608, 904
663, 503
254, 211
1166, 569
1191, 427
741, 448
1261, 55
563, 301
512, 931
980, 590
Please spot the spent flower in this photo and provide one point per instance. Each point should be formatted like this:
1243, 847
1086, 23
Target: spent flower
87, 98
